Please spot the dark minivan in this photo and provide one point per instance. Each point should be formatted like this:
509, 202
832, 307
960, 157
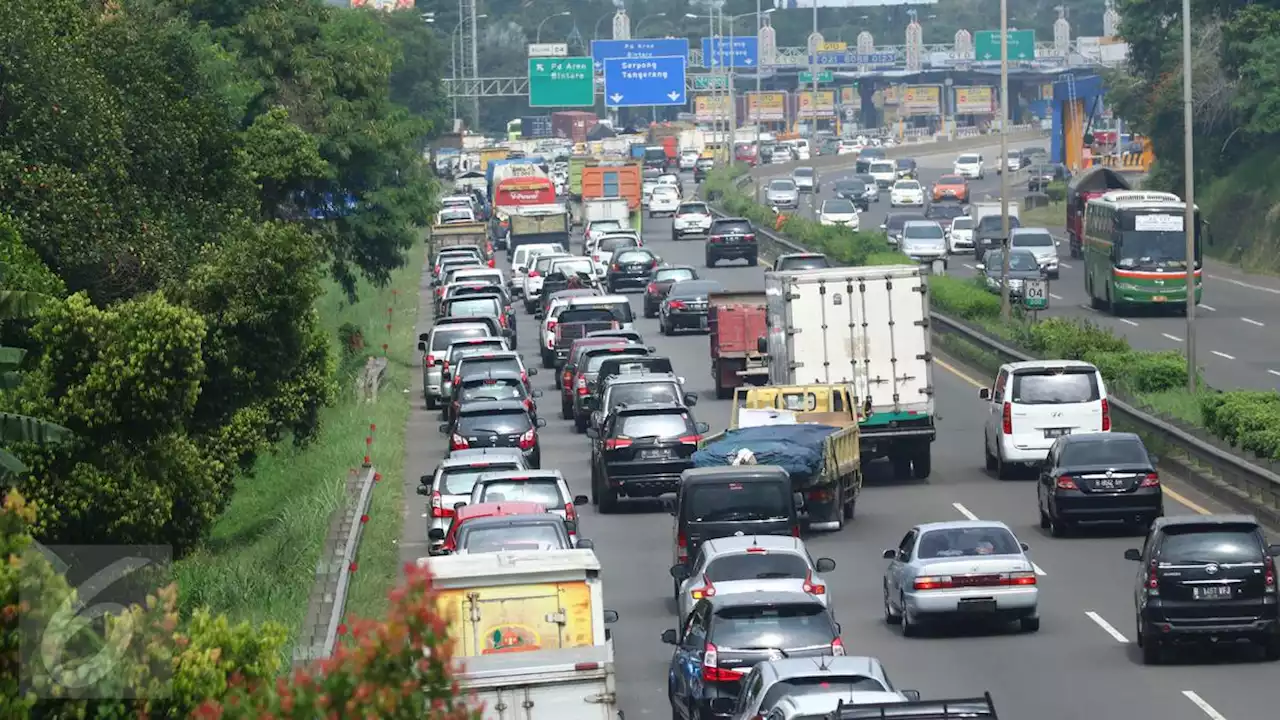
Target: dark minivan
731, 239
496, 423
716, 502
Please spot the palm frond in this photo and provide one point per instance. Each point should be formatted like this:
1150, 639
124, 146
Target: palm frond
16, 304
24, 429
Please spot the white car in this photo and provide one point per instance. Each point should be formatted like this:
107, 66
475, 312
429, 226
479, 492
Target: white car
535, 276
602, 253
960, 235
596, 229
669, 179
688, 159
1012, 163
691, 218
970, 165
665, 200
1042, 244
646, 190
751, 563
906, 193
885, 172
839, 211
1031, 404
806, 180
923, 241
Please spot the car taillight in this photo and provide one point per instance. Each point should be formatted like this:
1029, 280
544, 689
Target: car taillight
431, 359
749, 237
711, 670
1066, 483
492, 263
1106, 416
438, 510
1269, 579
457, 442
651, 288
795, 530
615, 267
551, 326
582, 386
653, 264
570, 514
528, 404
675, 304
1153, 580
595, 257
502, 320
566, 377
534, 273
524, 377
1151, 480
707, 590
682, 547
811, 587
715, 238
1007, 419
837, 647
528, 439
690, 439
617, 443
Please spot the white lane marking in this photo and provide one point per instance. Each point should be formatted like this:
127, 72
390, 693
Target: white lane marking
1107, 627
1253, 322
1274, 372
1210, 308
1223, 355
1174, 338
1128, 322
968, 514
1055, 297
1064, 265
971, 267
1204, 706
1251, 286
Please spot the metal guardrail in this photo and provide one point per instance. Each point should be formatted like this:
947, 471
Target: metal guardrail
1250, 484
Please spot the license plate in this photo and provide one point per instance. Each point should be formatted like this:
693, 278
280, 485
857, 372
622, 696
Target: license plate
1159, 298
702, 322
653, 454
977, 605
1056, 432
1211, 592
1107, 484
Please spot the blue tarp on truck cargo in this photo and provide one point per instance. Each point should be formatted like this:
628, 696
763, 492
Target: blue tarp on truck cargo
796, 448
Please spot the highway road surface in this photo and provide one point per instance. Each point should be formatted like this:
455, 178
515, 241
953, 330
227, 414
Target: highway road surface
1238, 326
1082, 665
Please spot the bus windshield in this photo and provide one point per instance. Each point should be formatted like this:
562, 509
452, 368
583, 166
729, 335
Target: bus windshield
1154, 241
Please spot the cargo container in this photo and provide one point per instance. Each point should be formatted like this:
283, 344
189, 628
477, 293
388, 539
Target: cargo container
499, 170
533, 127
637, 151
601, 181
573, 124
737, 322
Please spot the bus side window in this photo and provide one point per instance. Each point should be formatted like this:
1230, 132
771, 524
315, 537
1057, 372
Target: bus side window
837, 401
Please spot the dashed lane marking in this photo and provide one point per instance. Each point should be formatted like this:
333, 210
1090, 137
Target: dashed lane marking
1128, 322
1055, 297
1064, 265
1274, 372
1241, 283
1107, 627
1223, 355
968, 514
1204, 706
1251, 321
1210, 308
1174, 338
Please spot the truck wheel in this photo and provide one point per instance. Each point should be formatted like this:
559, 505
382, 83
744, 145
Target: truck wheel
723, 393
922, 465
711, 260
901, 467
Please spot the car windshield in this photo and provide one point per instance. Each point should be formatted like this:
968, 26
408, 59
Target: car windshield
782, 185
803, 173
1032, 239
838, 207
693, 209
711, 502
1227, 543
962, 223
883, 167
969, 160
757, 566
778, 626
907, 185
443, 338
821, 684
995, 223
694, 289
613, 243
654, 425
1051, 387
544, 491
967, 542
1105, 451
674, 275
461, 479
505, 422
642, 393
950, 180
471, 307
483, 388
521, 536
634, 256
923, 231
896, 222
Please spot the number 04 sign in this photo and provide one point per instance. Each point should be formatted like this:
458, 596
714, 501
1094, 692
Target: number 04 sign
1035, 295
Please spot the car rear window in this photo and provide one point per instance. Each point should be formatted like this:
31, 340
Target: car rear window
634, 256
731, 226
494, 423
883, 167
530, 536
775, 626
577, 265
805, 263
461, 479
480, 365
967, 542
639, 392
444, 338
457, 351
482, 388
1032, 239
674, 275
693, 209
655, 425
748, 566
822, 684
469, 307
729, 501
993, 223
595, 361
544, 491
1048, 387
615, 243
1108, 451
1226, 543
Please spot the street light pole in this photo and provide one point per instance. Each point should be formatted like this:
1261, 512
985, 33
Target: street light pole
640, 24
1006, 306
813, 71
1189, 217
538, 35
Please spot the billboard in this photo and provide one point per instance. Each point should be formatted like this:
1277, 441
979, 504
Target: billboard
974, 100
825, 107
384, 5
891, 95
767, 107
808, 4
921, 100
707, 108
849, 96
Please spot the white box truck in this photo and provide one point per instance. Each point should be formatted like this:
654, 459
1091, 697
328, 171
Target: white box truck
529, 632
865, 327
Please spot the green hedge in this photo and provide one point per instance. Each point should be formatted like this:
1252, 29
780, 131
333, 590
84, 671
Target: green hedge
1248, 419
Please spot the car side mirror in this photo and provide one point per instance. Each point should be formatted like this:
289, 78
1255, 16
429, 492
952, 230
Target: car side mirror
679, 378
722, 705
702, 427
538, 315
911, 695
581, 499
797, 499
532, 371
889, 554
1135, 555
435, 534
1273, 550
824, 565
593, 433
651, 348
883, 226
542, 422
1025, 547
610, 617
979, 266
762, 345
680, 572
536, 393
424, 489
691, 399
669, 505
669, 637
422, 347
1155, 459
585, 544
444, 428
984, 393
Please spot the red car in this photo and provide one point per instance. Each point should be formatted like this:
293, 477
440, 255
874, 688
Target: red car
467, 513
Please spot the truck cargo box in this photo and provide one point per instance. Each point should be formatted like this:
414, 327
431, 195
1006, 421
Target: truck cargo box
573, 124
606, 181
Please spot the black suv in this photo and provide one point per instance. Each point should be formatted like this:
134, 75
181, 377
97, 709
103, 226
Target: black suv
1206, 579
988, 234
731, 239
640, 451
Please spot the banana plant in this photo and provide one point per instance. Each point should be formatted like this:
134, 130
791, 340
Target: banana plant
14, 428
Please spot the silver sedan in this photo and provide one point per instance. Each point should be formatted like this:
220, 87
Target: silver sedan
741, 564
966, 571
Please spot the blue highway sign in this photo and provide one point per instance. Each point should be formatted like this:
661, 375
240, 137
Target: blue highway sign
741, 51
840, 57
602, 50
642, 82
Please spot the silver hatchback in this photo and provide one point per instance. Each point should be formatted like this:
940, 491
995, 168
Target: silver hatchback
782, 193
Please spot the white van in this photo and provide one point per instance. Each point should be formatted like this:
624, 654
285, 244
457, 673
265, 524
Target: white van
1033, 403
523, 259
971, 166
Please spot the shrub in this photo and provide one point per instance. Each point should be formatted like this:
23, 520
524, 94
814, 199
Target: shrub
1072, 339
963, 298
1247, 419
1057, 191
1134, 371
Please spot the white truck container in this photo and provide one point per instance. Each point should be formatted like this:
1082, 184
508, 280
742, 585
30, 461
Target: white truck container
867, 327
606, 209
529, 632
979, 210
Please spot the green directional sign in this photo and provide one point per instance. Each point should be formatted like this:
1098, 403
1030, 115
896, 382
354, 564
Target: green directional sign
823, 76
1022, 45
709, 82
562, 82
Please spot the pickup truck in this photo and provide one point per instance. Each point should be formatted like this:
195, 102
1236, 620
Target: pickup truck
529, 631
737, 322
443, 237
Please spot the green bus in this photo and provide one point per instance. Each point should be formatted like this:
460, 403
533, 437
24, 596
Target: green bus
1135, 251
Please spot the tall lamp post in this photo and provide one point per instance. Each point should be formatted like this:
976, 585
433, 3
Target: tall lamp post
455, 55
645, 19
595, 34
719, 48
1006, 307
1189, 218
538, 34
